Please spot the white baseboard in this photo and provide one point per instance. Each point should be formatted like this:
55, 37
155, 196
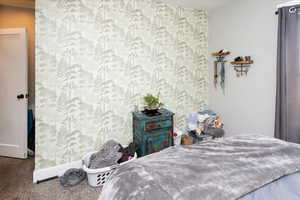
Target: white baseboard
43, 174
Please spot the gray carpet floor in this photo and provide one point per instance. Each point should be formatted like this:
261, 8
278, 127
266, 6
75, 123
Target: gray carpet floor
16, 184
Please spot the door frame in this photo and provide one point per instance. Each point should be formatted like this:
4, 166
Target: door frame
24, 44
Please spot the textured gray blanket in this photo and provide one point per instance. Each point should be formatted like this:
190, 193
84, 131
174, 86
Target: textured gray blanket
223, 169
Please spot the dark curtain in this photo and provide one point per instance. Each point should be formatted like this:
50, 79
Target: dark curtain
287, 119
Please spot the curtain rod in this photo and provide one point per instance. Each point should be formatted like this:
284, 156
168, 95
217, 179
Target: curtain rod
286, 4
290, 3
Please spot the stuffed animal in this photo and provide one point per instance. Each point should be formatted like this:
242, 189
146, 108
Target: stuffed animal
215, 132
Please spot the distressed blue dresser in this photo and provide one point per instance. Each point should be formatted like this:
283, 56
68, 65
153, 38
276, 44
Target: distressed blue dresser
152, 133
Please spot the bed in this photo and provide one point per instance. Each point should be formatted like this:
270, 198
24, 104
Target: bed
243, 167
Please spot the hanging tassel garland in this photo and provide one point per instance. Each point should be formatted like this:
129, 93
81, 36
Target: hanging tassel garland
216, 74
222, 74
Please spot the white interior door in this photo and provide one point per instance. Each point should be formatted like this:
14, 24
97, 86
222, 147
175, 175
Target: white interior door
13, 93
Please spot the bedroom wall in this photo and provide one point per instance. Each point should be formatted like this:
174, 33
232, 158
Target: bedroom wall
247, 27
97, 58
13, 17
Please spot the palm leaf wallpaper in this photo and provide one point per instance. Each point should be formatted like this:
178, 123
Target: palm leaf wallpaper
96, 59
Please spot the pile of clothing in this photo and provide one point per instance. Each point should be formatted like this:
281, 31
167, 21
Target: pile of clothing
111, 153
206, 122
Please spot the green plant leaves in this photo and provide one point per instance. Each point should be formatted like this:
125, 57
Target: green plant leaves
152, 102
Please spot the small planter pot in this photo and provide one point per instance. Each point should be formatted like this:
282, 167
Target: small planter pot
151, 112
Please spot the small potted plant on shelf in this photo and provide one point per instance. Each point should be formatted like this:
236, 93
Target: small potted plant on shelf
152, 104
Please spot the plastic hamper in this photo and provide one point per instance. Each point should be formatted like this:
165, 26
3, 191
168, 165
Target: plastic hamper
98, 177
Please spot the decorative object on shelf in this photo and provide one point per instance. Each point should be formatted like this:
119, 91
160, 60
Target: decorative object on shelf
220, 59
152, 104
241, 65
152, 133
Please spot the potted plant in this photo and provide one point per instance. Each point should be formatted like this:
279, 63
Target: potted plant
152, 104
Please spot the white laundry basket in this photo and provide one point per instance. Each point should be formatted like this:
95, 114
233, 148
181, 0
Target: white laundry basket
98, 177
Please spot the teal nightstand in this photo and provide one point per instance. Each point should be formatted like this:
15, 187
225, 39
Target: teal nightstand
152, 133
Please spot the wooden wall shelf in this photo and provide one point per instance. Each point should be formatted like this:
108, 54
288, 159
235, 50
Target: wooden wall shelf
217, 54
244, 62
242, 67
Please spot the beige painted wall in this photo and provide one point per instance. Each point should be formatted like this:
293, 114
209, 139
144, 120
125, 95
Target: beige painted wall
248, 106
13, 17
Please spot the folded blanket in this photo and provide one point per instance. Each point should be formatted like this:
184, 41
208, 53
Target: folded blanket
223, 169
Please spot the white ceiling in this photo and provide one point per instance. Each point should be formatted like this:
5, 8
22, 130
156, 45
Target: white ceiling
200, 4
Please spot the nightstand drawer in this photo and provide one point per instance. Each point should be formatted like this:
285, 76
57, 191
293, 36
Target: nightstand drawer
157, 142
158, 125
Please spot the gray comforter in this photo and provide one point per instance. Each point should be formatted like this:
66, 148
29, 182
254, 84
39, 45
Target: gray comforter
224, 169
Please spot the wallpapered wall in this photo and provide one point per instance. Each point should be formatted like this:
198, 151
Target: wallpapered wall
97, 58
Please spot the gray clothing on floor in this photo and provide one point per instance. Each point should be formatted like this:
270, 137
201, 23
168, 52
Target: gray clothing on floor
72, 177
